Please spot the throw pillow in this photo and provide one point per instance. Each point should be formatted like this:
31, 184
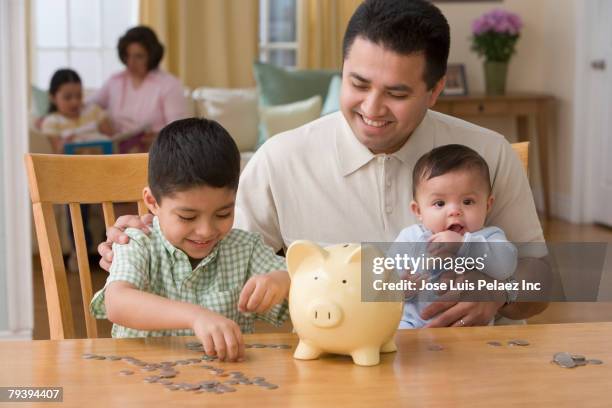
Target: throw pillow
279, 86
234, 109
332, 101
280, 118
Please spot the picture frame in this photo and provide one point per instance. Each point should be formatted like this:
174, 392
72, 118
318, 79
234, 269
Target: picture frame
456, 81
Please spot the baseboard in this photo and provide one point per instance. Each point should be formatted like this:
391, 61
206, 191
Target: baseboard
16, 335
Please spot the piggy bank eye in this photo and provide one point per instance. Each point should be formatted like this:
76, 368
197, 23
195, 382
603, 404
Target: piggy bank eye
343, 280
316, 277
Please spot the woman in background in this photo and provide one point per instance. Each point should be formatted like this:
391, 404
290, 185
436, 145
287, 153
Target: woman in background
142, 98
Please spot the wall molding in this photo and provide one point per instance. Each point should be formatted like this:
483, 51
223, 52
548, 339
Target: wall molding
14, 104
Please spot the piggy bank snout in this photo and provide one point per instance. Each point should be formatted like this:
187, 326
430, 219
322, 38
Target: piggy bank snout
324, 313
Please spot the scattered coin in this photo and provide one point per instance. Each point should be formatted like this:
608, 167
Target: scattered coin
113, 358
126, 372
435, 347
494, 343
518, 342
88, 356
594, 361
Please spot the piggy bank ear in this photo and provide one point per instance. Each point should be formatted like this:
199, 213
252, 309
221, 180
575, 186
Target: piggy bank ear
299, 251
364, 252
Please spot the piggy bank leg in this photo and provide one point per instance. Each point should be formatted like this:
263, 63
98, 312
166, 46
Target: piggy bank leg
305, 351
366, 356
389, 346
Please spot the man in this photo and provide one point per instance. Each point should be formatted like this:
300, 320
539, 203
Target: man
346, 177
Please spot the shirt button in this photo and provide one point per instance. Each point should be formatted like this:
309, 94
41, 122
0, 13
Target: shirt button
388, 209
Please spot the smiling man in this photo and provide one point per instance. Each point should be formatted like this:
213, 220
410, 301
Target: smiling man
347, 177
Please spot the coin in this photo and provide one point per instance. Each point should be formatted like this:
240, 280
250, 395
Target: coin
578, 357
173, 387
126, 372
271, 386
518, 342
594, 361
88, 356
494, 343
435, 347
564, 360
258, 345
113, 358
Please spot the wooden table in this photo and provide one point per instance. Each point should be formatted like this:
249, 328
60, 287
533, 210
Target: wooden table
468, 372
519, 106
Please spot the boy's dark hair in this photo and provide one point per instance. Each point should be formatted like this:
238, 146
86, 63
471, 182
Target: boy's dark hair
146, 37
192, 152
404, 27
446, 159
59, 78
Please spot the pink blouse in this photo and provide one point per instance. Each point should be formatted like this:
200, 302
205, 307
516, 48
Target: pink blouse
158, 101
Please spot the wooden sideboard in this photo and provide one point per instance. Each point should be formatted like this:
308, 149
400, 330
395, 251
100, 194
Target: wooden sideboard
521, 107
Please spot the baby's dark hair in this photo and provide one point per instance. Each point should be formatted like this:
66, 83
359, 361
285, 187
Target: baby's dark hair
59, 78
190, 153
446, 159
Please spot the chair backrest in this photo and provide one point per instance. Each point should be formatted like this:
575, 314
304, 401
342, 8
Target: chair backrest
75, 180
522, 150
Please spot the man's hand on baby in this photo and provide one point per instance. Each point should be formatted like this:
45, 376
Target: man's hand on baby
261, 292
444, 243
219, 335
116, 234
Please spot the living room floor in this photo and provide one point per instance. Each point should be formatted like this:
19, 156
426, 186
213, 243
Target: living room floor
554, 230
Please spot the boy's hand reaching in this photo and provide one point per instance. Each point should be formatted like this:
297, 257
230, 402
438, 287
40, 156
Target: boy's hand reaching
445, 243
261, 292
219, 335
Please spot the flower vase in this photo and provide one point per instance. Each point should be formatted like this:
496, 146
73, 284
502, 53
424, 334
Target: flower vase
495, 77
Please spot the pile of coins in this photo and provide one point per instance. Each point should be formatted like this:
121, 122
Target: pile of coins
197, 346
166, 370
568, 360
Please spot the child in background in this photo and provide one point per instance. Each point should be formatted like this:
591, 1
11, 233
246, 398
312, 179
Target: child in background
451, 198
68, 120
193, 274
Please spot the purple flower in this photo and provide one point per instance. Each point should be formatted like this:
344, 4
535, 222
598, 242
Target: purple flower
498, 21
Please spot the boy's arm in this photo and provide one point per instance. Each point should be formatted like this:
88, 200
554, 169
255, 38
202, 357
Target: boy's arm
131, 307
267, 286
499, 256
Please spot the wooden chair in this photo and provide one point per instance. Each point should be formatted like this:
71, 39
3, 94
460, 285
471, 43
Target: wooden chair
75, 180
522, 150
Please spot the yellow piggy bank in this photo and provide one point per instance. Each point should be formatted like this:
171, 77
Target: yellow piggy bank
326, 307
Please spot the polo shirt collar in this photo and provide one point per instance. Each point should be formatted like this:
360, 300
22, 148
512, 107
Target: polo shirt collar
352, 155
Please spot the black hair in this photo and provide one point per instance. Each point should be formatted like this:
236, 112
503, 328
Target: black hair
446, 159
59, 78
405, 27
146, 37
192, 152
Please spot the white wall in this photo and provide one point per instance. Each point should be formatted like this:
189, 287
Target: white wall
15, 249
544, 63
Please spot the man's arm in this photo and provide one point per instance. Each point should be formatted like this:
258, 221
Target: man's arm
255, 205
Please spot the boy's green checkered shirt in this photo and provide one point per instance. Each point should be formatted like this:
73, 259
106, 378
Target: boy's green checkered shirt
153, 265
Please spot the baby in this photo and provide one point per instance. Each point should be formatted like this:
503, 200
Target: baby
451, 192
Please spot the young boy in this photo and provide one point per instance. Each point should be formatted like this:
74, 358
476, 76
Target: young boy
193, 274
451, 198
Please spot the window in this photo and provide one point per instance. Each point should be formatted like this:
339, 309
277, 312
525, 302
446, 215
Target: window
278, 32
79, 34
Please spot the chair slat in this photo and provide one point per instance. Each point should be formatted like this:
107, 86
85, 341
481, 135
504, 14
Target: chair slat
142, 208
109, 213
84, 272
59, 310
522, 150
